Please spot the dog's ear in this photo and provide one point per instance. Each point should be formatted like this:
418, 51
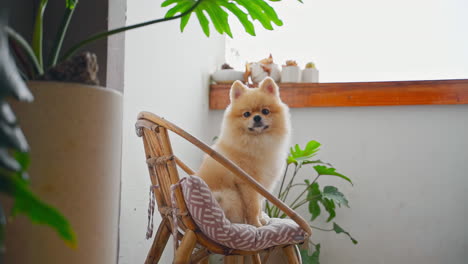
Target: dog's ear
237, 89
269, 86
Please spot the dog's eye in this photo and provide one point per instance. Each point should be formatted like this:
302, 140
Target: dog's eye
247, 114
265, 111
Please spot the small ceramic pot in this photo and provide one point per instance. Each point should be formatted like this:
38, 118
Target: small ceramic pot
227, 76
291, 74
310, 75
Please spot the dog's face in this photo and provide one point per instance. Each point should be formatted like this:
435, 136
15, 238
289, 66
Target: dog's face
257, 111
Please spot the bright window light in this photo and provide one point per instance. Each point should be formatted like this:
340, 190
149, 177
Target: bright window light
363, 40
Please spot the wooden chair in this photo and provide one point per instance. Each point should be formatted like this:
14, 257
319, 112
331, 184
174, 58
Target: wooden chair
195, 247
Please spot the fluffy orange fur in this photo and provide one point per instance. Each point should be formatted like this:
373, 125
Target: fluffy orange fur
257, 142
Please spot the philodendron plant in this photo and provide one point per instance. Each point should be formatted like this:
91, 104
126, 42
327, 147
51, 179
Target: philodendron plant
33, 65
309, 193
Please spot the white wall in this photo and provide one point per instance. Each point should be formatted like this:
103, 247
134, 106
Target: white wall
409, 166
167, 73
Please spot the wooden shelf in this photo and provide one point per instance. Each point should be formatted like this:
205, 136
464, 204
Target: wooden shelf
360, 93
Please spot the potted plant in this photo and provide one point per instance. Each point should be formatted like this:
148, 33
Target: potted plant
14, 158
309, 193
74, 129
291, 73
310, 73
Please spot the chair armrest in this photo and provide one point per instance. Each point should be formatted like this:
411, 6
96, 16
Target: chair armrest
228, 165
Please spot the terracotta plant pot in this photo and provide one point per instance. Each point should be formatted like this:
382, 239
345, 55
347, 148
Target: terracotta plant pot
74, 132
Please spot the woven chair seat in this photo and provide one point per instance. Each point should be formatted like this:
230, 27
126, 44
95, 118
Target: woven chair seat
210, 218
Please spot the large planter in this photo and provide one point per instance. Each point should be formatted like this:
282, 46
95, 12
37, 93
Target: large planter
74, 132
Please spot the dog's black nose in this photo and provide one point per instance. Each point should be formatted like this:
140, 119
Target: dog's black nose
257, 118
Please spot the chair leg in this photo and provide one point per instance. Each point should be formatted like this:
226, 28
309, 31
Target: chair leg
184, 252
266, 256
159, 243
229, 260
200, 257
290, 252
233, 260
256, 259
204, 261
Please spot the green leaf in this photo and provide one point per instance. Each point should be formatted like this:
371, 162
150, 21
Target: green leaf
314, 196
332, 193
219, 17
71, 4
23, 159
305, 162
12, 137
204, 23
7, 162
257, 9
183, 21
11, 83
39, 212
180, 8
243, 17
170, 2
269, 11
312, 259
298, 155
6, 113
339, 230
323, 170
256, 12
330, 207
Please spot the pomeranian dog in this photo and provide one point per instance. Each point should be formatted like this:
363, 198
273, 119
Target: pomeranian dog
255, 136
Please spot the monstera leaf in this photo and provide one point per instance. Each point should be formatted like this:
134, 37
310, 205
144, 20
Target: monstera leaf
299, 156
217, 11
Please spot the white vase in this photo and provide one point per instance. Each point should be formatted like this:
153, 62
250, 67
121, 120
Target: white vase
291, 74
310, 75
74, 132
227, 76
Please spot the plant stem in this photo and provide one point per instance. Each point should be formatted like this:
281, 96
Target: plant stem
294, 207
302, 193
275, 210
24, 67
61, 36
26, 48
268, 208
294, 185
321, 229
105, 34
286, 192
38, 32
282, 182
282, 195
